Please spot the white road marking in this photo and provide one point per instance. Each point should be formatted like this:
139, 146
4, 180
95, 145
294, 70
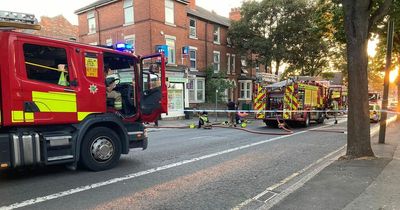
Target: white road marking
287, 179
279, 197
142, 173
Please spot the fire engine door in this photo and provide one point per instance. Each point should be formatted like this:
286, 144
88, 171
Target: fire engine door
153, 100
48, 82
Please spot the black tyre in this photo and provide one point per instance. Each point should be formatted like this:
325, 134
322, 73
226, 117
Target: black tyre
272, 124
101, 149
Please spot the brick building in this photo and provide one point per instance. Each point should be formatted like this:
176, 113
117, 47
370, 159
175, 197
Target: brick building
176, 23
57, 27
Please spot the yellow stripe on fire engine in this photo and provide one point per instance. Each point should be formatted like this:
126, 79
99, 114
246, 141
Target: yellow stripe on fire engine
17, 116
83, 115
55, 101
29, 117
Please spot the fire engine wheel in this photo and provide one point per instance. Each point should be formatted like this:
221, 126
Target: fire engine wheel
101, 149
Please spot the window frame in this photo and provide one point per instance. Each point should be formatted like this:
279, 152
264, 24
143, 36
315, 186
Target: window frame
168, 7
126, 7
69, 70
172, 55
193, 49
228, 64
217, 33
233, 70
243, 86
91, 16
219, 61
131, 37
194, 28
195, 90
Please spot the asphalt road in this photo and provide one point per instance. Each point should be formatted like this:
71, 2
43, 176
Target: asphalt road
181, 169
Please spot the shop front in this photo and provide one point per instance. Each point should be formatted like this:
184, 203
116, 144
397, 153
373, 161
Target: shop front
176, 96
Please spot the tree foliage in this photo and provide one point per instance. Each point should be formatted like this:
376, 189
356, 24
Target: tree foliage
281, 31
216, 81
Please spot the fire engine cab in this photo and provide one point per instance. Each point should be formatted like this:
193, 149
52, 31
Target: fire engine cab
55, 103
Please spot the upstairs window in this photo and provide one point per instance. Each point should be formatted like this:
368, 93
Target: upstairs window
216, 34
192, 28
128, 11
46, 64
169, 12
217, 60
170, 41
192, 56
91, 22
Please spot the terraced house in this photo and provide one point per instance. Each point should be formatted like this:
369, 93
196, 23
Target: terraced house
176, 23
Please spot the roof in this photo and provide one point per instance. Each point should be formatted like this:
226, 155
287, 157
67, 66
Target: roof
280, 84
210, 16
101, 3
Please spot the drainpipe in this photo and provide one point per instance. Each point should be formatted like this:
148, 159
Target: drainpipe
98, 24
206, 48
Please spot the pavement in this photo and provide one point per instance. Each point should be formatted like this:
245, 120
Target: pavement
353, 184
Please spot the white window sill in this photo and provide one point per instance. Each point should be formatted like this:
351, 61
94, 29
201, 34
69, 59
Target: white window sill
128, 24
195, 70
244, 99
170, 24
90, 33
172, 64
216, 72
193, 37
218, 43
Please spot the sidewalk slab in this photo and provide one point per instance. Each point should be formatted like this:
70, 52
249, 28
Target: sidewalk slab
354, 184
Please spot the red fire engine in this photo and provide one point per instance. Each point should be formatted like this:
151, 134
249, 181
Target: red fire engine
54, 108
292, 101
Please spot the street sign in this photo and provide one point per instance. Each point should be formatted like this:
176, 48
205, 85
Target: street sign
162, 49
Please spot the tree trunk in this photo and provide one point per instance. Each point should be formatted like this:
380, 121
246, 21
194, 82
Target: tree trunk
358, 126
278, 63
398, 93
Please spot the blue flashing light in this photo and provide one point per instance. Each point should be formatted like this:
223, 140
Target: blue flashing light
124, 47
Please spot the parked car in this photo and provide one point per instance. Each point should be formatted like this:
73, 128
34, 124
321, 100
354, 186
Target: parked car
374, 113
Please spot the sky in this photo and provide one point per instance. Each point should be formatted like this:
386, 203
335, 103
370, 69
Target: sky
53, 8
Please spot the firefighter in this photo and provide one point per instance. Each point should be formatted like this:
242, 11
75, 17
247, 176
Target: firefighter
231, 115
111, 84
335, 107
203, 120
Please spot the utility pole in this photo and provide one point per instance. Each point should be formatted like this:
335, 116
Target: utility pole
382, 129
216, 105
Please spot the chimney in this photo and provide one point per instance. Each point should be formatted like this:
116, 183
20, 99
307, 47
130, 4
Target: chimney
235, 14
192, 4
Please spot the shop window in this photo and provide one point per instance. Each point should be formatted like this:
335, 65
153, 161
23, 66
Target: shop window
46, 64
128, 11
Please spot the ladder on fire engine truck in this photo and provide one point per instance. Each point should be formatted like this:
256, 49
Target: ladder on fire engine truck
17, 20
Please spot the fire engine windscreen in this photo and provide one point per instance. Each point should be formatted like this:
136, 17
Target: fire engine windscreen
46, 64
123, 69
